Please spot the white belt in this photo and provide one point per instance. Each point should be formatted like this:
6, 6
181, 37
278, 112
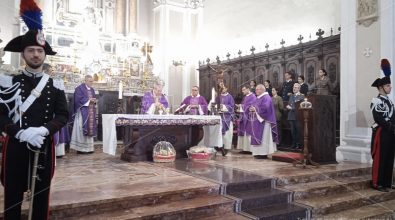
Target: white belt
35, 93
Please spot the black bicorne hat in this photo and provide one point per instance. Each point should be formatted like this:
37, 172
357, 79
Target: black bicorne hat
32, 16
31, 38
386, 68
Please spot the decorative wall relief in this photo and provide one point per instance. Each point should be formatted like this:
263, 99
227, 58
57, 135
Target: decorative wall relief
367, 12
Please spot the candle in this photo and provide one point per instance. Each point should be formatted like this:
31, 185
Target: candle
120, 90
146, 51
213, 95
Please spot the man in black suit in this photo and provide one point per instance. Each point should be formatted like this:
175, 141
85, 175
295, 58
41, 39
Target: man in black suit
287, 88
295, 128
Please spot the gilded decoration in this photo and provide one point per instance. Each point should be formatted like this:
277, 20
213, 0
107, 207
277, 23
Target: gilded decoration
85, 38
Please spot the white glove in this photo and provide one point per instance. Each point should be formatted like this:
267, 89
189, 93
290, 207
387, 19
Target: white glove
33, 135
36, 141
43, 131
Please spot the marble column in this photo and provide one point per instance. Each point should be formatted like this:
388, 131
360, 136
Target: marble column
120, 16
363, 43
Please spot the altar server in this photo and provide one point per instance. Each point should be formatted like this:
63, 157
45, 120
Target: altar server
226, 111
244, 130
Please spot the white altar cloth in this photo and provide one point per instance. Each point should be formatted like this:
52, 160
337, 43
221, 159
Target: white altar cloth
212, 132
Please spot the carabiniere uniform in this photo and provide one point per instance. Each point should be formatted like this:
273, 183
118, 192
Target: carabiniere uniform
383, 141
48, 110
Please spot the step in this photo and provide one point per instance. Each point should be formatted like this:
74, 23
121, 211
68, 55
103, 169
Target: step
382, 210
329, 187
230, 216
109, 204
349, 200
280, 211
195, 208
247, 185
319, 176
262, 197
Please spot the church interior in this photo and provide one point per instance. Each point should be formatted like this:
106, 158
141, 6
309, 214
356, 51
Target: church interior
129, 46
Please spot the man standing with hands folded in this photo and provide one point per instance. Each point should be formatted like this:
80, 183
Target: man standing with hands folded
32, 109
84, 128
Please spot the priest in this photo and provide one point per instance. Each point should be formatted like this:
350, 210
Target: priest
195, 104
244, 130
264, 127
154, 102
226, 111
84, 128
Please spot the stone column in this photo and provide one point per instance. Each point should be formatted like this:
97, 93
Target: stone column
366, 37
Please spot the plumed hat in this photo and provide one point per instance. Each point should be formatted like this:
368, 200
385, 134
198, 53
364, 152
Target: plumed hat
31, 14
386, 68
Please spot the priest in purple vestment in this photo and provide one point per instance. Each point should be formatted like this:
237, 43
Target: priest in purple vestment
84, 128
244, 130
264, 126
154, 102
226, 111
195, 104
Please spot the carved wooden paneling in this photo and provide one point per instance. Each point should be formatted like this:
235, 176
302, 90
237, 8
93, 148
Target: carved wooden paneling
301, 59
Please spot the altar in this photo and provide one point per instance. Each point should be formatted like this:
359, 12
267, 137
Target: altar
142, 132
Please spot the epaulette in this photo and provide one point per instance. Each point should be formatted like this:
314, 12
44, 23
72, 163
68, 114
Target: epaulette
5, 80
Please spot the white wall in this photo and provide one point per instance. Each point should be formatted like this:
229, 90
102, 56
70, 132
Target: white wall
230, 25
9, 10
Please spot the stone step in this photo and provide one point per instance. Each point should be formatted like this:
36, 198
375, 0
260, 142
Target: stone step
319, 176
230, 216
260, 197
109, 204
280, 211
382, 210
196, 208
248, 185
349, 200
329, 186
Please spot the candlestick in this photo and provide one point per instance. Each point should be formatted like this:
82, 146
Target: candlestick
146, 51
120, 90
213, 95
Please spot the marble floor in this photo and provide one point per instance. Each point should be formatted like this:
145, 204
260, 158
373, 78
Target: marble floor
84, 179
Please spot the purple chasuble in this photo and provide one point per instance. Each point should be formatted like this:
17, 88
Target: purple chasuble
198, 100
88, 113
148, 99
245, 125
265, 110
226, 117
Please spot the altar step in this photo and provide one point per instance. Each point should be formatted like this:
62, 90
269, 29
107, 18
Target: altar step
213, 206
340, 195
255, 195
193, 203
261, 201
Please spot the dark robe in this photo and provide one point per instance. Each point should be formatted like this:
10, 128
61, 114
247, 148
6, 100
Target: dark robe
287, 88
304, 89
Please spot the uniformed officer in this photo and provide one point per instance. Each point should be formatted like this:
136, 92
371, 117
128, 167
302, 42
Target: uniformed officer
42, 111
383, 136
